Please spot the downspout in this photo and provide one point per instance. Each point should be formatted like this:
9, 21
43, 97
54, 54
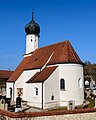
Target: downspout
13, 90
42, 95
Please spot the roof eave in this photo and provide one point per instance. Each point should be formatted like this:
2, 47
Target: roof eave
36, 82
65, 63
33, 68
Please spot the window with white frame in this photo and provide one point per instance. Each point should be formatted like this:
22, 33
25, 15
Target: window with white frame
80, 83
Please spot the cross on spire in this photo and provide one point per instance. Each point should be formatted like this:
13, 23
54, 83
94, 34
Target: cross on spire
32, 14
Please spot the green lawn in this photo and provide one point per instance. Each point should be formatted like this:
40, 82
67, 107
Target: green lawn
91, 103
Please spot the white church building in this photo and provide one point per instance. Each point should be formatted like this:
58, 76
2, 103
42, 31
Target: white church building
49, 76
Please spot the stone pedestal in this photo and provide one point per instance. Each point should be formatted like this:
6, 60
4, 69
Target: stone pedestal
71, 105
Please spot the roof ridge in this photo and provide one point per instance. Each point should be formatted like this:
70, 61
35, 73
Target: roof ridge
54, 44
76, 57
67, 50
49, 45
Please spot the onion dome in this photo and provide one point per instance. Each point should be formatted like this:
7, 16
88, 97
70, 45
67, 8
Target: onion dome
32, 27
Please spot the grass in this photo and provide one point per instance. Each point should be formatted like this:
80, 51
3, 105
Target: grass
91, 103
58, 108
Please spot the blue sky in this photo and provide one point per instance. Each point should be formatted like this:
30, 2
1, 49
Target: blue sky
59, 20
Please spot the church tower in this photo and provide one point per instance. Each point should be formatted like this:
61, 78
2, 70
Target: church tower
32, 30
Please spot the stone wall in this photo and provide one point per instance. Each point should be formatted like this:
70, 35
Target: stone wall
82, 114
85, 116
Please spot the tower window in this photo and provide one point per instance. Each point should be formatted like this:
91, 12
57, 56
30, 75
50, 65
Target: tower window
36, 91
62, 84
31, 40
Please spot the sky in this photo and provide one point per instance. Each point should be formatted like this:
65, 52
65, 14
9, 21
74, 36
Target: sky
59, 20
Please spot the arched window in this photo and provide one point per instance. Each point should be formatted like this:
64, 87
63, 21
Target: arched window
36, 90
62, 84
80, 83
52, 97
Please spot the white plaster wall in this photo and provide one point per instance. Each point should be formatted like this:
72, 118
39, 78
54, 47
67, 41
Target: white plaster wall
71, 73
27, 75
8, 85
31, 43
21, 82
51, 87
33, 99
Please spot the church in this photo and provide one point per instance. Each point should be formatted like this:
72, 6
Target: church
49, 76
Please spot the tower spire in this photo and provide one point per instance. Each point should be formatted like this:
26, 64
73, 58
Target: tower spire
32, 14
32, 30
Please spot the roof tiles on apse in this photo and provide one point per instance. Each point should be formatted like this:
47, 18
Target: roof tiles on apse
62, 52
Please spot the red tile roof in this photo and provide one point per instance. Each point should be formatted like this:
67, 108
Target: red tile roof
43, 75
62, 52
19, 70
5, 73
